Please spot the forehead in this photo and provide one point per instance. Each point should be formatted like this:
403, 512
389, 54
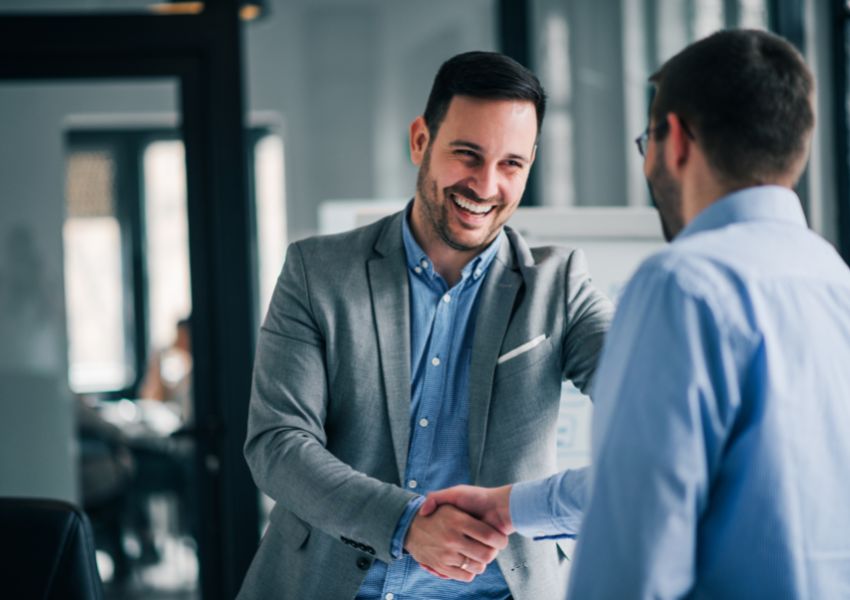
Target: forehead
490, 123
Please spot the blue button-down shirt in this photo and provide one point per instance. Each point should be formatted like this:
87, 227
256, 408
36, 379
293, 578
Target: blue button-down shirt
442, 324
721, 438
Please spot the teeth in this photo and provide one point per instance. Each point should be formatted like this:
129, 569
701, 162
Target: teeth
471, 206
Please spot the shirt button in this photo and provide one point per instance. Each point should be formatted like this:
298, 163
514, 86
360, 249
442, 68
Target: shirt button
423, 422
424, 264
435, 361
412, 484
389, 596
447, 298
417, 270
477, 273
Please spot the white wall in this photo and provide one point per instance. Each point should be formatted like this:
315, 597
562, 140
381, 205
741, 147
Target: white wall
342, 77
37, 453
347, 77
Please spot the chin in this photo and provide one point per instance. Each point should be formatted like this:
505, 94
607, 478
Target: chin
469, 243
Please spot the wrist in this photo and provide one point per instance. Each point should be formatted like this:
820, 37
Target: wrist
405, 524
503, 509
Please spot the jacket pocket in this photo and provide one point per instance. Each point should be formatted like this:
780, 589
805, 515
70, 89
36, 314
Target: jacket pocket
524, 356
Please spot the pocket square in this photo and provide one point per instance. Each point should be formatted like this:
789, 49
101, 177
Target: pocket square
521, 349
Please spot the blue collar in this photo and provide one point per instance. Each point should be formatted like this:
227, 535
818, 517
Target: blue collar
418, 261
762, 203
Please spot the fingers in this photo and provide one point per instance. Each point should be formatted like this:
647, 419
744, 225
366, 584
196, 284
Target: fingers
480, 542
472, 566
433, 572
491, 505
459, 574
436, 499
466, 571
450, 543
483, 533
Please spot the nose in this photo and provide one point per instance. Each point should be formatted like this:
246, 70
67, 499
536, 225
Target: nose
485, 182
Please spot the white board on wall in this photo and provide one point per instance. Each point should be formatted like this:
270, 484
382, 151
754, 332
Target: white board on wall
615, 240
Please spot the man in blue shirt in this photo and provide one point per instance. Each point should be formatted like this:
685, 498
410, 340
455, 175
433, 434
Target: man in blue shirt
420, 352
721, 450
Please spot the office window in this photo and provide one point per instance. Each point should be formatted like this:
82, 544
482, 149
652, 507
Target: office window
594, 59
100, 357
270, 210
126, 241
166, 239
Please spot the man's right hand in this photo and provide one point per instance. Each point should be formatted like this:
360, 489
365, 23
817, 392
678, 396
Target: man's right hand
452, 544
491, 505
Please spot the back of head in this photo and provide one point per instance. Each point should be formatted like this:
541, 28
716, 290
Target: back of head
483, 75
747, 96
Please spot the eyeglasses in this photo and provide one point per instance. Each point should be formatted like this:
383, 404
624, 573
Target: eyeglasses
643, 139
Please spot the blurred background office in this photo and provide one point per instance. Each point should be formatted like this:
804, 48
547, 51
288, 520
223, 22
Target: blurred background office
156, 159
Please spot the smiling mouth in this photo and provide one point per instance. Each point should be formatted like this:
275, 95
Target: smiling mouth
470, 206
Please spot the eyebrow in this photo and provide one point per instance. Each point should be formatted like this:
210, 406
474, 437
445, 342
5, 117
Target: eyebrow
477, 148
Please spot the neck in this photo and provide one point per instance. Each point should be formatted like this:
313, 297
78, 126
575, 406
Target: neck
701, 187
447, 261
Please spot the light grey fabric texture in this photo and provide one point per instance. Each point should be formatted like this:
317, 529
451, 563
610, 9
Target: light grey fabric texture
328, 429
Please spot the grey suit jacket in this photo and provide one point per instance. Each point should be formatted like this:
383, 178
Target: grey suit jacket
329, 419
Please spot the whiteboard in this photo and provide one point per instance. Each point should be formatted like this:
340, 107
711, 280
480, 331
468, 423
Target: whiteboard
615, 240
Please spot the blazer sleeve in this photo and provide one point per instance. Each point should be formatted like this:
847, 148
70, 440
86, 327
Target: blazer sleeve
286, 442
589, 315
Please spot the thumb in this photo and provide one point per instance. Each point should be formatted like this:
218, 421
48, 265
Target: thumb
429, 506
434, 500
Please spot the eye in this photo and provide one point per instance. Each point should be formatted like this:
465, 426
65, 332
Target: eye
514, 164
468, 154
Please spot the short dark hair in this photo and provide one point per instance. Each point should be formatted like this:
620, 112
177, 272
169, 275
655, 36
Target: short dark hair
485, 75
747, 97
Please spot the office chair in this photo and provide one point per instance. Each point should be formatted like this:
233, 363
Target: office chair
46, 551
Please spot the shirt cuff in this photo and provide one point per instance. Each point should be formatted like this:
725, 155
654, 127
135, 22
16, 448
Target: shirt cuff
404, 524
549, 508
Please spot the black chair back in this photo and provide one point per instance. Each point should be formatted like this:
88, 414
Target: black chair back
46, 551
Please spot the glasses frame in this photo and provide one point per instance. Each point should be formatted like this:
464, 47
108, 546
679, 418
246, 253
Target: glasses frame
642, 141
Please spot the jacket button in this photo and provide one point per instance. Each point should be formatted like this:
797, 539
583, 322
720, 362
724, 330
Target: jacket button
363, 563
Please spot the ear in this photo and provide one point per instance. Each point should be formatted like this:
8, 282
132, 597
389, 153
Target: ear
678, 144
419, 139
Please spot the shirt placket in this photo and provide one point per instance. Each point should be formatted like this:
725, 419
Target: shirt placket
424, 435
433, 387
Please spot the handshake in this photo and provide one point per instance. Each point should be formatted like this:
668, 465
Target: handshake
460, 530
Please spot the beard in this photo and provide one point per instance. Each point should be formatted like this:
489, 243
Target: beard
436, 213
666, 195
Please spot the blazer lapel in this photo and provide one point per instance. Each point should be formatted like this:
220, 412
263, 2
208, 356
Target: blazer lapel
390, 304
494, 312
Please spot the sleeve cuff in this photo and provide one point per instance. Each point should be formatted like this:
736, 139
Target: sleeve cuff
404, 522
549, 508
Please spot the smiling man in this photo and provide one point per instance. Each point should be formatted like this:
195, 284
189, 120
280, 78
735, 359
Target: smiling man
423, 351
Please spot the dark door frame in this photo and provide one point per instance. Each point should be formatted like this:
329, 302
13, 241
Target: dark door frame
841, 74
203, 52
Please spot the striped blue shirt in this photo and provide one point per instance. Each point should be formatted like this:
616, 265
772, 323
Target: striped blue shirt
721, 433
442, 323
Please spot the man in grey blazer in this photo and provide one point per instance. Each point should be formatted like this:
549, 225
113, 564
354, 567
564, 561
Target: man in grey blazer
422, 351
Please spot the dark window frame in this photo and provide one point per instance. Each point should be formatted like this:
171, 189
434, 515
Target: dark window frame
841, 108
127, 146
204, 53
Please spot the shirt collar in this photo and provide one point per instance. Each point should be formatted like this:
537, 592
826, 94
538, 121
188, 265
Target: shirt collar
762, 203
418, 261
